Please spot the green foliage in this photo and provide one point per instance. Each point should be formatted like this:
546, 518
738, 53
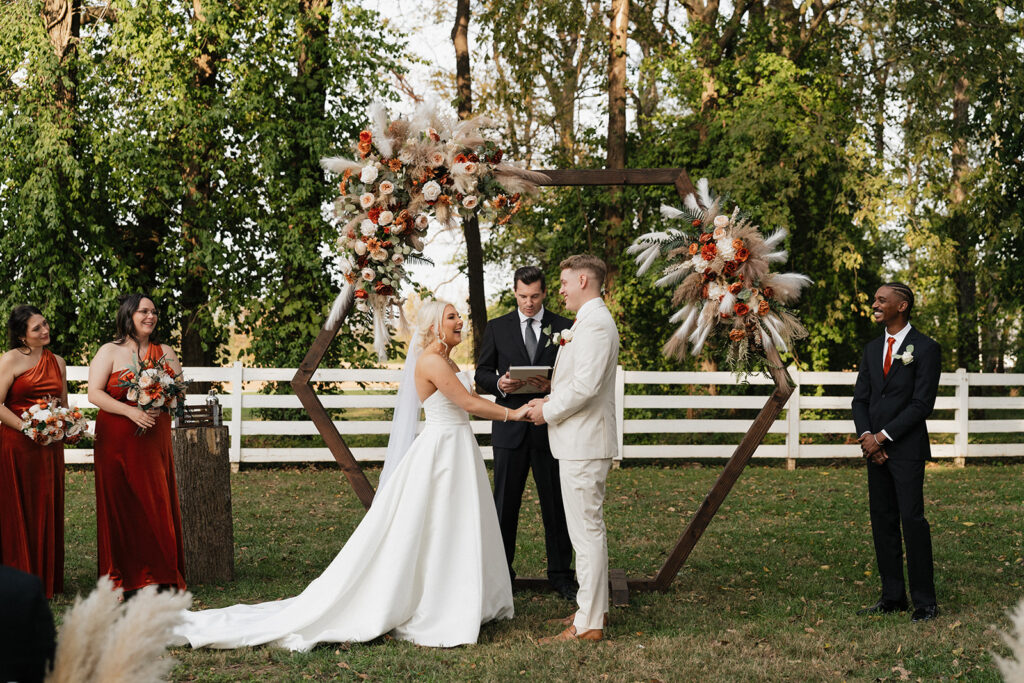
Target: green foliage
185, 164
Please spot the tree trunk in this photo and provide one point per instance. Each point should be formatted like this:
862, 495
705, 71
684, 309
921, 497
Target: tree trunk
470, 227
616, 158
63, 24
196, 209
965, 277
203, 473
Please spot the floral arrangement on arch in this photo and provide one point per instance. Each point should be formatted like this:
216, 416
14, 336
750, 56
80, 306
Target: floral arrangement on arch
406, 173
721, 266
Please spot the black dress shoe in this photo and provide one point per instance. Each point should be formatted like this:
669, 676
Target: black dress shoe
925, 613
567, 589
884, 606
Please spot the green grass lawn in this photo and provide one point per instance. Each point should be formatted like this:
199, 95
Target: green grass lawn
769, 593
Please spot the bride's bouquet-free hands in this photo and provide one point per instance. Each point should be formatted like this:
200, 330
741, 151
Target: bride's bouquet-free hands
47, 422
153, 385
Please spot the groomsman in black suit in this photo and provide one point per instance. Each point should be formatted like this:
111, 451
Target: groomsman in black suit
27, 636
522, 338
894, 395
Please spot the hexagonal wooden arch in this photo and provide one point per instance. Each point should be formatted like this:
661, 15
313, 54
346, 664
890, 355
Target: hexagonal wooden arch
620, 584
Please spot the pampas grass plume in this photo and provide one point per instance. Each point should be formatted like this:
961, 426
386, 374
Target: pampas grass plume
103, 640
1012, 667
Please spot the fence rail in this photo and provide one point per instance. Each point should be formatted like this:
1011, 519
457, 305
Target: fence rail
637, 394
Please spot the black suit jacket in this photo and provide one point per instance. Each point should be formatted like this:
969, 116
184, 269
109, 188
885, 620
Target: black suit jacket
901, 401
503, 347
26, 627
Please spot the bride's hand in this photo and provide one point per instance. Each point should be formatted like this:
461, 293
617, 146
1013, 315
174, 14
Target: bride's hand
520, 414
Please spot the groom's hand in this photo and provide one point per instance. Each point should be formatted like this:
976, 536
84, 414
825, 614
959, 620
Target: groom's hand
542, 383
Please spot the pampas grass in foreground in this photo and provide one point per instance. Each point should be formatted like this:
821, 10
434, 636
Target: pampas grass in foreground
1012, 667
103, 639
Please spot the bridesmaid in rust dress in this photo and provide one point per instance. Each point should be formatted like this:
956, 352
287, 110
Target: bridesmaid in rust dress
138, 520
31, 475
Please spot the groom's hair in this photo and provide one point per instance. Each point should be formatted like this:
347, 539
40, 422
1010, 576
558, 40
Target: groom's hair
528, 275
905, 293
594, 266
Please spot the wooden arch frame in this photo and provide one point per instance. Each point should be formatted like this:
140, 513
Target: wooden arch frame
620, 584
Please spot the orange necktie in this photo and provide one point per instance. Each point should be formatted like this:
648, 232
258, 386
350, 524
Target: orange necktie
888, 357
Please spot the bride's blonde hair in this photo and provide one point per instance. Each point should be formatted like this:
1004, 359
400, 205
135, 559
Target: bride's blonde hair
428, 322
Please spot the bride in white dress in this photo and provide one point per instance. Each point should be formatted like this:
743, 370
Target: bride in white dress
426, 563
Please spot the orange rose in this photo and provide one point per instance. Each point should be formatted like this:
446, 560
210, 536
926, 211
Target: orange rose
695, 223
769, 292
742, 255
763, 307
736, 288
694, 248
737, 244
705, 237
460, 159
365, 136
364, 149
374, 213
708, 251
737, 334
729, 268
741, 308
361, 294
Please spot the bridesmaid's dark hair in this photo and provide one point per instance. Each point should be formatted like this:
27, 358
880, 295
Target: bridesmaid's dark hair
17, 324
123, 321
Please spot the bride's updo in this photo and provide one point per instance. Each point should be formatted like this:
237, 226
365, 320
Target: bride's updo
428, 321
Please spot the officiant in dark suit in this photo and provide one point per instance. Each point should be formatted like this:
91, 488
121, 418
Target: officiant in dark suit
894, 395
522, 338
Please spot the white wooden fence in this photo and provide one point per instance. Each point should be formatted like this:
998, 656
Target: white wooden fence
700, 395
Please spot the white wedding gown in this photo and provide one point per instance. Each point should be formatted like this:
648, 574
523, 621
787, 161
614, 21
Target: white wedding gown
426, 563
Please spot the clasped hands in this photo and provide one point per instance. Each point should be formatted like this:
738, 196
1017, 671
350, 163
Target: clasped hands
531, 412
871, 448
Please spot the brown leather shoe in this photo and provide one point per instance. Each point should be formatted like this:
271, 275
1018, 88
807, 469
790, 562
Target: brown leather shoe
593, 635
567, 621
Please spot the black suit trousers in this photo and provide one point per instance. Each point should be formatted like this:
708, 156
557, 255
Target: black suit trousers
511, 467
896, 494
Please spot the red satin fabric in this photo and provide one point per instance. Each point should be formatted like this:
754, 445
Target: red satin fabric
138, 519
32, 485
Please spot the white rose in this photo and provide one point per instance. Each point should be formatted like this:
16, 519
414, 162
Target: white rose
379, 255
385, 218
721, 221
470, 201
397, 259
460, 168
360, 247
146, 380
436, 159
716, 291
367, 274
431, 191
386, 187
699, 264
469, 167
366, 200
726, 250
42, 415
422, 221
719, 233
158, 402
144, 399
368, 228
133, 395
368, 174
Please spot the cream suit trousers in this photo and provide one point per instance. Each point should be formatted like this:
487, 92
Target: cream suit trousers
583, 484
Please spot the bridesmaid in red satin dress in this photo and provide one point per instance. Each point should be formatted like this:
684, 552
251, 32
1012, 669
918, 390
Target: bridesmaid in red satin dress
138, 520
31, 475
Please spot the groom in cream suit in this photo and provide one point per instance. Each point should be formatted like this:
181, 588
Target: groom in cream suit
580, 414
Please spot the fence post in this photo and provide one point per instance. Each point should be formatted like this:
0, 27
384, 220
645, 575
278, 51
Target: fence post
793, 421
236, 415
962, 414
620, 410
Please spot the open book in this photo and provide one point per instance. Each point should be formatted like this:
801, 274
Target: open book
524, 372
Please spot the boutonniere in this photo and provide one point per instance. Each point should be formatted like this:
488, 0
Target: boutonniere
907, 357
561, 338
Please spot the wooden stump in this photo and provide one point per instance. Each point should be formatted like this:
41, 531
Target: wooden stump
204, 491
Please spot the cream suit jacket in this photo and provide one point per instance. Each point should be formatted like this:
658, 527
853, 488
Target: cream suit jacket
580, 410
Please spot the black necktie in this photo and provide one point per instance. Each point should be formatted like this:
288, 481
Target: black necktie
531, 339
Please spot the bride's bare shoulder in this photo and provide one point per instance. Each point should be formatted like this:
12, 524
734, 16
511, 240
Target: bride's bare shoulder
429, 363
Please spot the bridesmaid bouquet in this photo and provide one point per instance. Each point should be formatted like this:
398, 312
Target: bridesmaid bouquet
152, 384
47, 422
